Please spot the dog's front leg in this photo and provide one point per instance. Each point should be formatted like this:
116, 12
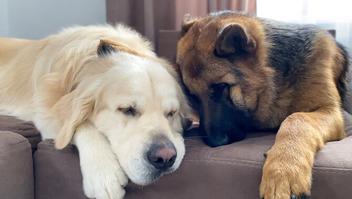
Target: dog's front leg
103, 178
287, 171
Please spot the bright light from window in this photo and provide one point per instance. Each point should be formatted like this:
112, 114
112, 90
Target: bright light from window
306, 11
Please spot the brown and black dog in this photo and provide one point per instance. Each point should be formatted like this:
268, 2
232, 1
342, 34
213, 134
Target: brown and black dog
249, 73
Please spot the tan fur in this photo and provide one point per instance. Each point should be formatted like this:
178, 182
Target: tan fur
308, 119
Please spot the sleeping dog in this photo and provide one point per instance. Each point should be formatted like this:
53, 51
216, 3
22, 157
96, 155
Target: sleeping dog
103, 89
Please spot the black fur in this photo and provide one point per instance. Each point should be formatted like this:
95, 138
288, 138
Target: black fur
224, 131
291, 44
345, 81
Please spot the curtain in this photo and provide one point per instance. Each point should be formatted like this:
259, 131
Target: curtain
160, 20
246, 6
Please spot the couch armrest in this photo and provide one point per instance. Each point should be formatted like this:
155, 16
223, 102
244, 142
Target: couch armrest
16, 167
24, 128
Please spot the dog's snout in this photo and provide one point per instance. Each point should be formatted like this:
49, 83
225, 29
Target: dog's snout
162, 154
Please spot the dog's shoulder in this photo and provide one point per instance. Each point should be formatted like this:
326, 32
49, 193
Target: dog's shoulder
298, 52
289, 45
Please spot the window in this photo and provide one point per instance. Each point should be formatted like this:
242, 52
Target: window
324, 13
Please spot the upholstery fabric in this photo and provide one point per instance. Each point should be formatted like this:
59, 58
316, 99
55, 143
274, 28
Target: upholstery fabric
26, 129
16, 167
231, 171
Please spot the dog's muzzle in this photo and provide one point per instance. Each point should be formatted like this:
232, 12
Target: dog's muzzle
161, 154
220, 121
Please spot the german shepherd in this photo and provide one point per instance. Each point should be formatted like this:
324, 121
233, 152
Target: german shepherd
248, 73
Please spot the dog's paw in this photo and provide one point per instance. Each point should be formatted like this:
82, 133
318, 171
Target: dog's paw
104, 180
285, 176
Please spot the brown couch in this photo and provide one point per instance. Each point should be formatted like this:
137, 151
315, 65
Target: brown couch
232, 171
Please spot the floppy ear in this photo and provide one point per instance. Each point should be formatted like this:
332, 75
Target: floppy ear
187, 23
74, 111
106, 47
233, 39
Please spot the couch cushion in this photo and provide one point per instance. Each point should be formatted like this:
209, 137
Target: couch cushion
16, 167
26, 129
57, 173
232, 171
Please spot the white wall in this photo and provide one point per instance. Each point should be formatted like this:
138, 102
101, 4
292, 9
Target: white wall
3, 18
38, 18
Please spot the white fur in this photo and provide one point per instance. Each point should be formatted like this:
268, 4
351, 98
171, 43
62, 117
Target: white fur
72, 94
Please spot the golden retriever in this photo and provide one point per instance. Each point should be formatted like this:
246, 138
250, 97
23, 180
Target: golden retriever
103, 89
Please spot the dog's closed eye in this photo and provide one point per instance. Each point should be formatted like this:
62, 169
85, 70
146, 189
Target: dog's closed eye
128, 111
170, 114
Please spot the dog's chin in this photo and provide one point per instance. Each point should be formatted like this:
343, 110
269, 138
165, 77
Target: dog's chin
149, 176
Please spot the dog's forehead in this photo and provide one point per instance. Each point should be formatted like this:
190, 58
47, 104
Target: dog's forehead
195, 54
162, 82
196, 47
127, 91
163, 86
143, 81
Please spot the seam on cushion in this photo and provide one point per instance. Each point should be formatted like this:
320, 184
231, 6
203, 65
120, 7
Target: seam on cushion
225, 149
260, 165
11, 149
231, 160
206, 153
256, 165
334, 172
14, 144
258, 162
51, 149
334, 168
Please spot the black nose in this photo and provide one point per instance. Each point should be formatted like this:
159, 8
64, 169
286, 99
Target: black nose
219, 140
219, 136
162, 153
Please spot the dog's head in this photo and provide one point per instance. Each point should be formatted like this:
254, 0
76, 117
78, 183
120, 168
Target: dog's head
136, 103
222, 61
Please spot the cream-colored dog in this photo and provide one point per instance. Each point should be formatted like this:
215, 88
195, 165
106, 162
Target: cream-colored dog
103, 89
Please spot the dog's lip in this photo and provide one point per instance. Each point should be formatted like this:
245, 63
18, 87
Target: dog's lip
154, 175
153, 178
158, 174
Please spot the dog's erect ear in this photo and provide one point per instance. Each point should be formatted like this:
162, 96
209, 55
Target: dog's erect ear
187, 23
74, 111
105, 47
233, 39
